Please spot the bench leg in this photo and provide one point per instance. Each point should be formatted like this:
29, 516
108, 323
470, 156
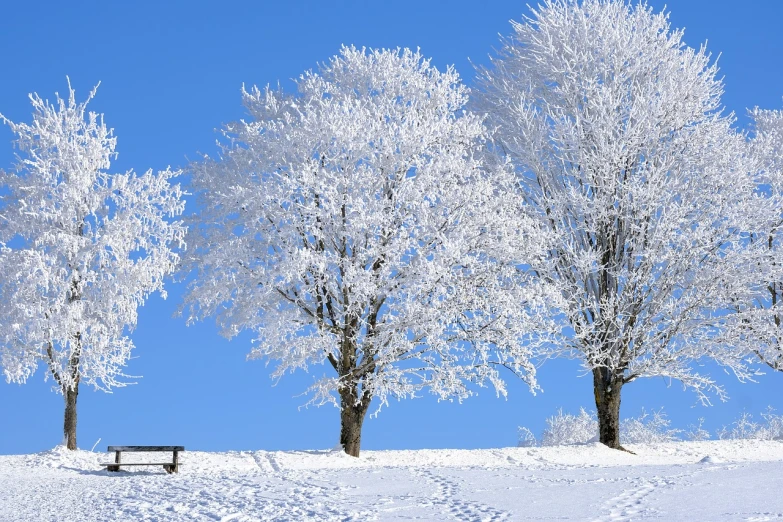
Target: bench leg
117, 459
174, 466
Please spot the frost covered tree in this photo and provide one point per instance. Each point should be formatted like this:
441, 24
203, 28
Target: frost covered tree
616, 129
352, 225
763, 316
84, 248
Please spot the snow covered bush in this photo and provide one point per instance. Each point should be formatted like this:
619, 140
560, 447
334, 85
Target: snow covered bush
696, 432
773, 425
526, 438
648, 429
742, 428
770, 428
565, 429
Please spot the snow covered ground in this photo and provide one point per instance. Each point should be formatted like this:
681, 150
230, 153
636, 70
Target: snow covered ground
712, 480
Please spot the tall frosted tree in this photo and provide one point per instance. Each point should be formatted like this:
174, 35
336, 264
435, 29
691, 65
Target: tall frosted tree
624, 155
763, 315
351, 224
84, 248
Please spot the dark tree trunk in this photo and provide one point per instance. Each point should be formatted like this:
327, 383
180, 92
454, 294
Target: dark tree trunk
607, 389
351, 420
69, 424
352, 414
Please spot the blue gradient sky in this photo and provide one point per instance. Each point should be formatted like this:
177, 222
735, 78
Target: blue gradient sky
171, 73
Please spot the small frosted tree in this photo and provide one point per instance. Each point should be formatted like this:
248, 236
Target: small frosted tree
85, 248
352, 225
616, 129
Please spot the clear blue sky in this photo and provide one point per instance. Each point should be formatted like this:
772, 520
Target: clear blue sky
171, 73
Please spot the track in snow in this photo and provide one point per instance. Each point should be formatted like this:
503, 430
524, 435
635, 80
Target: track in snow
482, 485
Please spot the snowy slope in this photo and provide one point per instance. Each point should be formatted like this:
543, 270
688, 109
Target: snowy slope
713, 480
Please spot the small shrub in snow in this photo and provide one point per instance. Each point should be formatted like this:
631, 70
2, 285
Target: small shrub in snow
742, 428
526, 438
564, 428
745, 427
696, 432
774, 424
648, 429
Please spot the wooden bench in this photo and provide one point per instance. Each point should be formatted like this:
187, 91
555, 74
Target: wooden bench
170, 467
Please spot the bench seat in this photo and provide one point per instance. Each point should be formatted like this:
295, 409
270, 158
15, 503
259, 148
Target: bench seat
123, 464
146, 448
170, 467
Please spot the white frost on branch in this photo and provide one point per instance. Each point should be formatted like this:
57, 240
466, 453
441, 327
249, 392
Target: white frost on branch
84, 248
352, 224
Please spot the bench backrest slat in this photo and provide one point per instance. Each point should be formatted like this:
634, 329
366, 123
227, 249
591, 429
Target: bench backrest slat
146, 448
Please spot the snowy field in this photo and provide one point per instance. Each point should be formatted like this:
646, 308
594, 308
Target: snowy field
713, 480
